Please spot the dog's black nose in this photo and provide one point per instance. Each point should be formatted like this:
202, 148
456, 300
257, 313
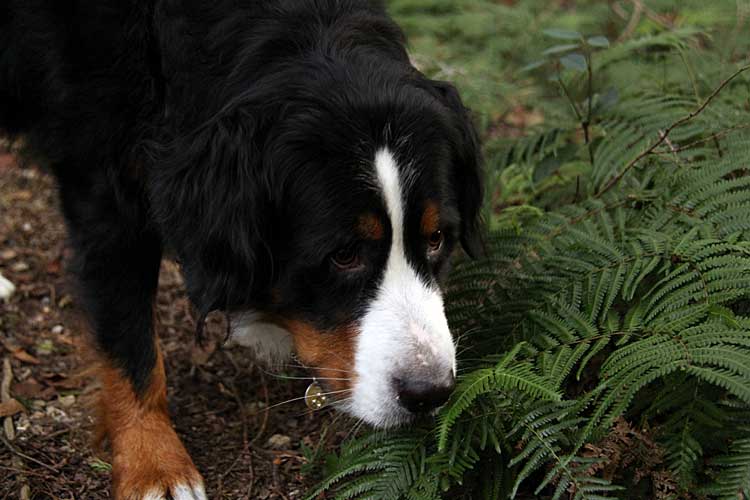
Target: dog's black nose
421, 396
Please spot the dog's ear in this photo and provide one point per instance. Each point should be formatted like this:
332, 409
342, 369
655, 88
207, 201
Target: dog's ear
206, 190
468, 176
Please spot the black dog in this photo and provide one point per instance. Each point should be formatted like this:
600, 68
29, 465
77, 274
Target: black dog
311, 182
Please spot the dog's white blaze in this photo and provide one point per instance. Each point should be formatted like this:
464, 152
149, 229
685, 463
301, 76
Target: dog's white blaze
404, 332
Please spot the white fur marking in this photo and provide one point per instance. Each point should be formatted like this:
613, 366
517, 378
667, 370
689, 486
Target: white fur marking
270, 342
6, 288
178, 492
199, 492
182, 492
154, 495
405, 321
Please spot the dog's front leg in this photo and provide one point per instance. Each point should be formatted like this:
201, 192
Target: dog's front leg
117, 259
149, 460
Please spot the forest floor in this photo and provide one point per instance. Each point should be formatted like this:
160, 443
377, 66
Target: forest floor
220, 401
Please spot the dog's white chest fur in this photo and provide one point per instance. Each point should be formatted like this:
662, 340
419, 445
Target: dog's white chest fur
270, 342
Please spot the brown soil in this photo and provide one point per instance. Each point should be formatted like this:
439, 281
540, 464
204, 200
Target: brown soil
221, 402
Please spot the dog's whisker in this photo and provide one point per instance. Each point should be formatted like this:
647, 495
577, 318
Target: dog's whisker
331, 352
355, 428
310, 367
286, 377
295, 377
301, 398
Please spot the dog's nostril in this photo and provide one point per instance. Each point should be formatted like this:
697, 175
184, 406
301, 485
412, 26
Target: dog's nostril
421, 396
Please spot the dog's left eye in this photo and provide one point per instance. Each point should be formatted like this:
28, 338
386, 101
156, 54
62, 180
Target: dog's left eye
347, 258
435, 242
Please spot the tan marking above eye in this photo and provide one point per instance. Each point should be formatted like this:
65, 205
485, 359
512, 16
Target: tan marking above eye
370, 227
430, 219
330, 353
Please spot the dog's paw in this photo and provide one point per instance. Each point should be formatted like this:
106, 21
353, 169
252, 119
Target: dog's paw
163, 489
150, 463
158, 478
6, 288
184, 491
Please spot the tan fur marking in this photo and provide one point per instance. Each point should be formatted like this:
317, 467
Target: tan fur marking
147, 454
331, 353
430, 218
370, 227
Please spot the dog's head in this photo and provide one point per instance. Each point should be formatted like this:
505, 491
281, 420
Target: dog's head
327, 200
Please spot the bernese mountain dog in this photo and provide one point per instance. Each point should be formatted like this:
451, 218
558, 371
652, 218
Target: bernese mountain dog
310, 181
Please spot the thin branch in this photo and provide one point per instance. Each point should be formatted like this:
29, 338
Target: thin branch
27, 457
663, 136
711, 137
635, 19
590, 96
570, 98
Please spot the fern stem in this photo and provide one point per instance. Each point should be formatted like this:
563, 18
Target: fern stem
590, 97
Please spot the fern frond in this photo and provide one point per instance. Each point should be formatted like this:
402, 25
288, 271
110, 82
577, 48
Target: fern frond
733, 480
518, 378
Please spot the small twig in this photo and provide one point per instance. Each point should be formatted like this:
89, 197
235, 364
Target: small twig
655, 17
8, 428
635, 19
672, 149
711, 137
251, 470
243, 414
24, 471
669, 143
585, 124
278, 491
570, 98
741, 18
220, 481
266, 410
27, 457
718, 147
663, 136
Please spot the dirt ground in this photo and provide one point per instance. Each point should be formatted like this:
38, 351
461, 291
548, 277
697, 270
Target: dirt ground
221, 402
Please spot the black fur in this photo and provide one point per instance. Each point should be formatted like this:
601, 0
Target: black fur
237, 135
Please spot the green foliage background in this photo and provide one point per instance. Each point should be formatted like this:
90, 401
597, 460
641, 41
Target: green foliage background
605, 342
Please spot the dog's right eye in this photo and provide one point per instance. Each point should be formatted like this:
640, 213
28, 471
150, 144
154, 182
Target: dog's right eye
347, 258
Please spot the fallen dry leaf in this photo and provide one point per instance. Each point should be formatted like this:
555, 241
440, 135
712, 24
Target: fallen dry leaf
24, 356
54, 267
31, 389
8, 254
199, 355
21, 195
60, 381
10, 408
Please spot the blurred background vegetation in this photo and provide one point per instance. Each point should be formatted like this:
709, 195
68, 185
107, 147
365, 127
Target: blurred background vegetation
483, 47
604, 343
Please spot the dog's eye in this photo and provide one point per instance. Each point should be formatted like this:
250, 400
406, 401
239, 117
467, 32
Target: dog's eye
435, 242
346, 258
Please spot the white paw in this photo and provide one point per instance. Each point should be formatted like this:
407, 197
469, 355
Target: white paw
178, 492
6, 288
